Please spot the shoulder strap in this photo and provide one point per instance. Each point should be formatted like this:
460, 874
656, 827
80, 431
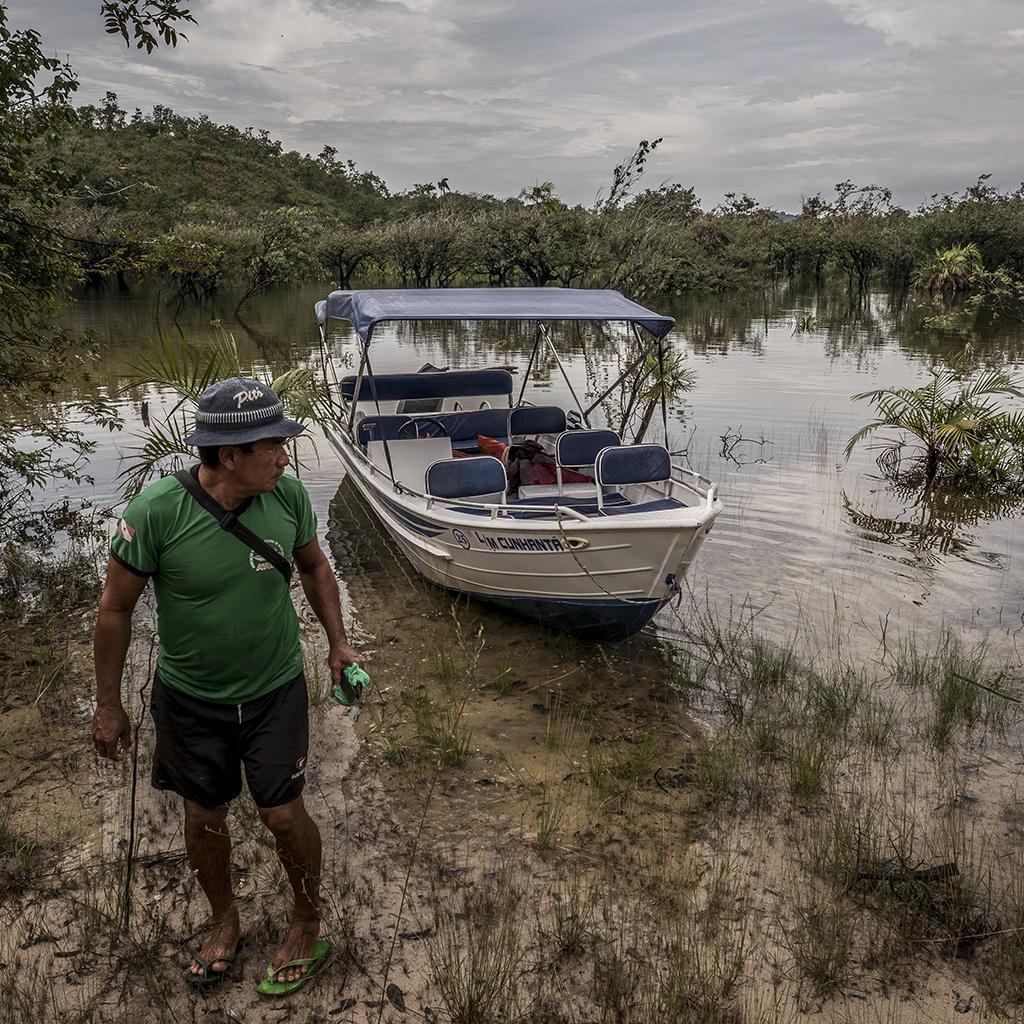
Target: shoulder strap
228, 520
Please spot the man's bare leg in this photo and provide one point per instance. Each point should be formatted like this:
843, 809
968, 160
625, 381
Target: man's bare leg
209, 853
298, 846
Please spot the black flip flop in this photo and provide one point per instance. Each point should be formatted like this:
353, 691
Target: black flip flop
210, 977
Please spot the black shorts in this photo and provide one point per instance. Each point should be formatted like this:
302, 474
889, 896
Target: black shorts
200, 745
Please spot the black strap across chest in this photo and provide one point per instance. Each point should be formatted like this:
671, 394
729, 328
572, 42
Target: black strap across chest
228, 520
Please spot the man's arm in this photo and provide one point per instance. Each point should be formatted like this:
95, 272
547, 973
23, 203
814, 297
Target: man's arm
110, 725
321, 589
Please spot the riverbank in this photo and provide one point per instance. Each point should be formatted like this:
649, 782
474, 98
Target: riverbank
746, 826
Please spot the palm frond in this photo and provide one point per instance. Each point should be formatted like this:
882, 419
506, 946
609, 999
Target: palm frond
180, 367
305, 396
1012, 424
993, 382
162, 449
954, 415
860, 435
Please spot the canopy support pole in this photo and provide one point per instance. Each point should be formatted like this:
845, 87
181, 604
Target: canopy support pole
376, 402
358, 389
625, 373
529, 367
663, 387
565, 376
336, 403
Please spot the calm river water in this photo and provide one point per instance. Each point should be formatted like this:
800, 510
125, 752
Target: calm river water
806, 534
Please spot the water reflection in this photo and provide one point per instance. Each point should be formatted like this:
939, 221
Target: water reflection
932, 524
798, 527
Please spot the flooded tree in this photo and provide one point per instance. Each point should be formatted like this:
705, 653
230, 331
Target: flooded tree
952, 428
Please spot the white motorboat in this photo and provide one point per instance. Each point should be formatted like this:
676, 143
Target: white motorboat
598, 556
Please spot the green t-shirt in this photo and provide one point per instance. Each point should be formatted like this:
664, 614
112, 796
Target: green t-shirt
228, 628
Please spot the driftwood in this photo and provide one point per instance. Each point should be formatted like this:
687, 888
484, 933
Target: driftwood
894, 872
988, 689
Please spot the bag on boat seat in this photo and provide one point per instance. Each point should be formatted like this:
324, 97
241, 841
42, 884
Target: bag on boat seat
489, 446
536, 419
479, 476
528, 464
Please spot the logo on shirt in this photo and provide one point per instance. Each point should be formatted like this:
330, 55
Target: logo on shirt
258, 562
126, 530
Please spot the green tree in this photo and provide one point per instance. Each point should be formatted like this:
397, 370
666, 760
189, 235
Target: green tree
345, 250
38, 265
277, 250
42, 258
146, 22
427, 250
954, 426
670, 204
951, 272
490, 245
194, 259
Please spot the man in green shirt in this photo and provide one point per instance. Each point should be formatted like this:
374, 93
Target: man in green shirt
229, 690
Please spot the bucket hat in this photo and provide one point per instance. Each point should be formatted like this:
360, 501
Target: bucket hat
239, 410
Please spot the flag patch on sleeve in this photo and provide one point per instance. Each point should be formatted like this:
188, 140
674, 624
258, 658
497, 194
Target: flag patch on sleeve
126, 530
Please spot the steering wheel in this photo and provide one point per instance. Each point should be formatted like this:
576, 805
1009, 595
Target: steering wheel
442, 430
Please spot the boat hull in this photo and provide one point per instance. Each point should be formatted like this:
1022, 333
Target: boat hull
602, 579
591, 619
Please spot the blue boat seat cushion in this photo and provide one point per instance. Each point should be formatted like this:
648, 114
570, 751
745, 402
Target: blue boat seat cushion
468, 426
618, 507
392, 387
466, 478
580, 447
633, 464
462, 427
536, 419
381, 428
660, 505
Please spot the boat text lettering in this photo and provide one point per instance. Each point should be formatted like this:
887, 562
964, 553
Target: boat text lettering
519, 543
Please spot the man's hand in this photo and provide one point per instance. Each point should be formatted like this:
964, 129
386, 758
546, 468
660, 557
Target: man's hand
340, 657
110, 730
321, 589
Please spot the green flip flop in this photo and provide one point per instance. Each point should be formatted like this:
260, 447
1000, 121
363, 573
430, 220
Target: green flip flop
269, 987
209, 977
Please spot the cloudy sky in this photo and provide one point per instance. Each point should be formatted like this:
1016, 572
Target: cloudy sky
778, 98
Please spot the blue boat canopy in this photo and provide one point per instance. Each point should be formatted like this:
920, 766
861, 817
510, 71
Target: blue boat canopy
365, 309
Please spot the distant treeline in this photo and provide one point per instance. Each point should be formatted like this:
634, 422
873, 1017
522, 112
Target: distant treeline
203, 206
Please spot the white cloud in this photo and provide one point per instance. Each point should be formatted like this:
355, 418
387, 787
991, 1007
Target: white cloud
933, 22
776, 99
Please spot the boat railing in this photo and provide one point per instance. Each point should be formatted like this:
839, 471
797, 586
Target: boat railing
709, 490
708, 493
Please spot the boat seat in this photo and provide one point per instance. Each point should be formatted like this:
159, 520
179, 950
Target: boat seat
577, 449
393, 387
660, 505
406, 461
381, 428
618, 506
535, 419
632, 464
480, 477
577, 501
465, 427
